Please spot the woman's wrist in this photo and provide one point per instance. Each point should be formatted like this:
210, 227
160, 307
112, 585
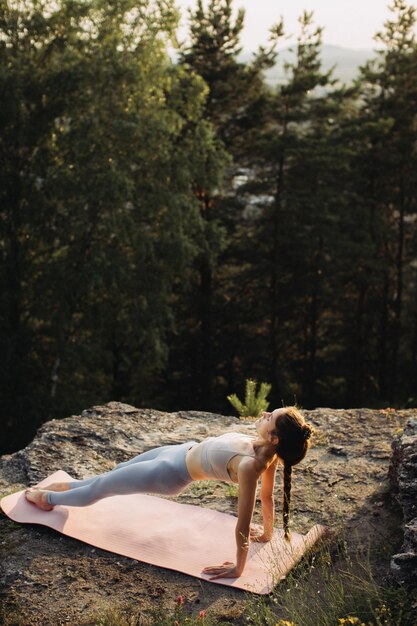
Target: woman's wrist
268, 530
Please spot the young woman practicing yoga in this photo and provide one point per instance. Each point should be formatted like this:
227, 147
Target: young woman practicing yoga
282, 436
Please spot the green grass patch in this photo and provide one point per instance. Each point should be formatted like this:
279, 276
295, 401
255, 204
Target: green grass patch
334, 589
231, 489
201, 487
179, 616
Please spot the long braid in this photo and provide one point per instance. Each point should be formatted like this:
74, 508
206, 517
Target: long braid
293, 442
287, 478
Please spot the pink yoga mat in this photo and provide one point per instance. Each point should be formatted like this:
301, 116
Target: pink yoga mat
181, 537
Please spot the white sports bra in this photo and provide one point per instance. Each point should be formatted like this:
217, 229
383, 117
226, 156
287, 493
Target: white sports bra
216, 453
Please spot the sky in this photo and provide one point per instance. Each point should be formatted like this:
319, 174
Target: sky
347, 23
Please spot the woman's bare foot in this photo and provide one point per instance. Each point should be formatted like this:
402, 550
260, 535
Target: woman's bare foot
57, 487
38, 497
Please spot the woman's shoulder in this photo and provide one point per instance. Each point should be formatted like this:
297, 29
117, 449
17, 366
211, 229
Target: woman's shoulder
236, 435
249, 466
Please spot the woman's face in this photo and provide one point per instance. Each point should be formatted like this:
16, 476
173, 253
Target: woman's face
265, 425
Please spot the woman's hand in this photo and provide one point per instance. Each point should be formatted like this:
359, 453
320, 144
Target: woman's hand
256, 534
227, 570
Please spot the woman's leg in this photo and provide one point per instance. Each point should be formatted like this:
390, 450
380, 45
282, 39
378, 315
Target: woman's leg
74, 484
165, 474
149, 455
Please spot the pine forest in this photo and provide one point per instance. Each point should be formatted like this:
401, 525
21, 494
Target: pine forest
171, 224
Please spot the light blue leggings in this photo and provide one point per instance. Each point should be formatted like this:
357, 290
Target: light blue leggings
161, 470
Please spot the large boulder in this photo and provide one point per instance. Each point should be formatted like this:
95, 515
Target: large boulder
48, 579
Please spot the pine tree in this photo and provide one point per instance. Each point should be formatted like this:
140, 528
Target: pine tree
294, 159
214, 54
255, 401
234, 92
390, 99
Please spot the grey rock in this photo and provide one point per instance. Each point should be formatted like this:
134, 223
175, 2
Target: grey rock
333, 489
337, 451
403, 477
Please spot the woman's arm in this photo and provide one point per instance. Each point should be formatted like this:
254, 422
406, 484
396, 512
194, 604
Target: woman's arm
248, 479
267, 504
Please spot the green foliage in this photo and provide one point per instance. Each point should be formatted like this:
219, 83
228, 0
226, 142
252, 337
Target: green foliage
102, 147
255, 402
328, 191
295, 159
387, 157
333, 590
169, 229
232, 490
232, 88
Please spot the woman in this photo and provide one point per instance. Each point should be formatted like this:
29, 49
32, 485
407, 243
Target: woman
282, 436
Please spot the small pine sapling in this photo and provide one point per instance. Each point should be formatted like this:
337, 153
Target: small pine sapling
255, 403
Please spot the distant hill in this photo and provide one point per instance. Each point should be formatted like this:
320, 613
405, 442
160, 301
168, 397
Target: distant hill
347, 62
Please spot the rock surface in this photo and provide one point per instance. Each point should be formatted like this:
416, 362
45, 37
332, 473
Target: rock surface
403, 475
343, 482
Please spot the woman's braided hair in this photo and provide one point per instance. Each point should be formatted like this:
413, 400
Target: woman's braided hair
294, 440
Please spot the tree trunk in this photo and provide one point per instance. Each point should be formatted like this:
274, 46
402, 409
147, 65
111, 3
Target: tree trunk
274, 295
18, 349
383, 343
206, 332
396, 336
412, 379
356, 374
